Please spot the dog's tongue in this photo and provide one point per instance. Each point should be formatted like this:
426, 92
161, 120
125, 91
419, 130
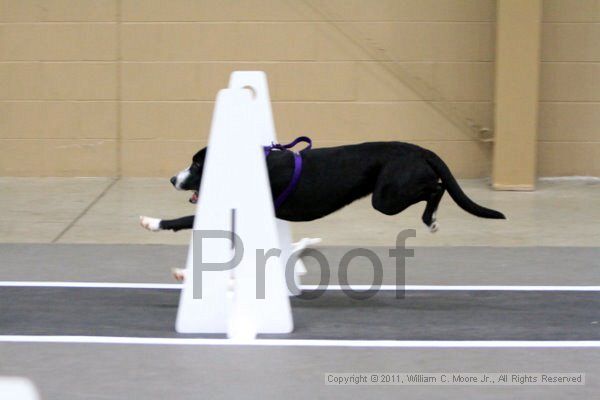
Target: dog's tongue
194, 198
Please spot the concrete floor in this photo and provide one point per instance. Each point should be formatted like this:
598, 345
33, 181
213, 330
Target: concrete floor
178, 371
100, 371
86, 229
334, 316
102, 210
553, 266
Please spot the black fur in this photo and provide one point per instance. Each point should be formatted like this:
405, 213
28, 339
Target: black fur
397, 174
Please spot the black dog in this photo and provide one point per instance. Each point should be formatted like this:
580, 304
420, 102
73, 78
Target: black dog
398, 174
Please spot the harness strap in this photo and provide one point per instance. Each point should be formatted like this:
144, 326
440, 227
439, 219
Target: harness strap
283, 147
297, 166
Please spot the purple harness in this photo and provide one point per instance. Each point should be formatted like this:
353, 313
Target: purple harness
297, 165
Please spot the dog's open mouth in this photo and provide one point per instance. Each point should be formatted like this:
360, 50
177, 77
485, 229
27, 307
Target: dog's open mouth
194, 198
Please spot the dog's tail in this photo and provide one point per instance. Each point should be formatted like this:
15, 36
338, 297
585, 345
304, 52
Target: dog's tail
451, 185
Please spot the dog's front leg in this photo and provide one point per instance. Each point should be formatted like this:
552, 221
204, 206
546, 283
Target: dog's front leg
155, 224
178, 224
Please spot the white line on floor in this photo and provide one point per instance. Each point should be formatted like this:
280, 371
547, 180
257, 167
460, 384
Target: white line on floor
302, 342
96, 285
174, 286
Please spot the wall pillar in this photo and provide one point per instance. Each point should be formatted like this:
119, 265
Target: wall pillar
518, 33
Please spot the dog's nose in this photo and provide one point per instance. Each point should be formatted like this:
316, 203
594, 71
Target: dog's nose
173, 180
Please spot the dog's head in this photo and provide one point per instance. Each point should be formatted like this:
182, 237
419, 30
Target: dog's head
189, 179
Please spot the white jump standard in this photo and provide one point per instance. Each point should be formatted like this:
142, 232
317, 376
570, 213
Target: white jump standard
237, 197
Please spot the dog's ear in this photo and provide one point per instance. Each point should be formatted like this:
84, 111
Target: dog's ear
199, 156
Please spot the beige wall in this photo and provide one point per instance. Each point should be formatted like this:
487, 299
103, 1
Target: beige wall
125, 87
569, 131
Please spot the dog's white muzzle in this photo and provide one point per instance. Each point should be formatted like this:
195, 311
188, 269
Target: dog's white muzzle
181, 177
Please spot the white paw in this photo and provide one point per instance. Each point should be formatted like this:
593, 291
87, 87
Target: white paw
152, 224
304, 243
434, 227
178, 274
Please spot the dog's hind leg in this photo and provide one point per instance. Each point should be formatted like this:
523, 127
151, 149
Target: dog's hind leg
395, 190
433, 202
402, 184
